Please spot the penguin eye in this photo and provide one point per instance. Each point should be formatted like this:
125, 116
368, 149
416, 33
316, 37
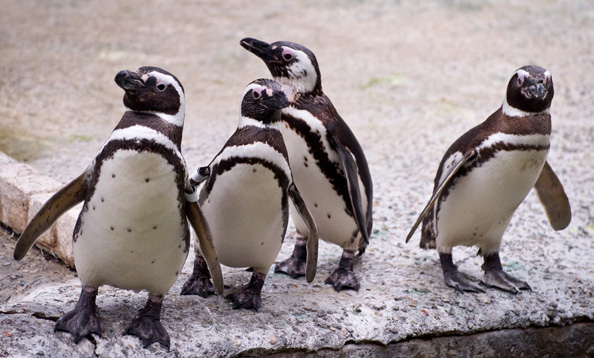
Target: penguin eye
287, 55
520, 80
256, 94
161, 87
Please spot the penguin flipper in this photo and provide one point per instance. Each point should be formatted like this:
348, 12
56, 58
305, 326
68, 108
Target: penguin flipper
207, 248
552, 196
437, 192
350, 170
70, 195
312, 240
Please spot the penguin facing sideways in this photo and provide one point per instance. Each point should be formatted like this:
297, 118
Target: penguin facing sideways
328, 163
486, 174
132, 232
245, 197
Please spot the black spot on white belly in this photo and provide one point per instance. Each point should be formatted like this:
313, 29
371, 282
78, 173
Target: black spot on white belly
155, 227
129, 230
113, 175
147, 179
112, 228
316, 205
329, 216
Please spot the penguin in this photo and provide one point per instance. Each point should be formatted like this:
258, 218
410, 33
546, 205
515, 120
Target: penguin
132, 232
329, 166
485, 175
245, 197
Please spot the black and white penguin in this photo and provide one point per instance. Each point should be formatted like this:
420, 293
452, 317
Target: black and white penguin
132, 232
328, 163
245, 197
486, 174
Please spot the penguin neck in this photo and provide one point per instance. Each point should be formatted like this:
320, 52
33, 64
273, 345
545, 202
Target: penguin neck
247, 121
175, 119
294, 89
511, 111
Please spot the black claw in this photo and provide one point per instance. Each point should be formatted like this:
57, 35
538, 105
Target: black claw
147, 325
344, 277
250, 296
199, 282
83, 320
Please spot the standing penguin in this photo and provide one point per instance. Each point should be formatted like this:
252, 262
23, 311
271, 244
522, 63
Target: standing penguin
245, 197
486, 174
132, 232
328, 163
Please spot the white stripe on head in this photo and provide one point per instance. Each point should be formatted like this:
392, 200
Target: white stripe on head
178, 118
255, 150
302, 75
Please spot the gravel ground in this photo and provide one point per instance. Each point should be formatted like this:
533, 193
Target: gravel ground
409, 78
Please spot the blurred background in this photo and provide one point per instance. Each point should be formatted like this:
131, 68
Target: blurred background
408, 76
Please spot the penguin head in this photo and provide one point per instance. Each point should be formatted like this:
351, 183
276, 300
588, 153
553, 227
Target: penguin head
530, 90
262, 101
293, 65
154, 90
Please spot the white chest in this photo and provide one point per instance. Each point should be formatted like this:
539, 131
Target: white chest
245, 213
479, 207
132, 232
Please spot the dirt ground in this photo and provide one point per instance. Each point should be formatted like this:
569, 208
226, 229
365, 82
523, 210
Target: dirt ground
408, 77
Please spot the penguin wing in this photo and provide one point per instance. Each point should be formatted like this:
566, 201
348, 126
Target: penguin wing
552, 196
204, 239
439, 189
70, 195
350, 169
312, 240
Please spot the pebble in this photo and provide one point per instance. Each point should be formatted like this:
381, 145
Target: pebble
273, 340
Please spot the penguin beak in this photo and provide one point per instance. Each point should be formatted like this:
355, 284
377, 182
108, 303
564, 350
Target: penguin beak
277, 101
129, 81
259, 48
538, 90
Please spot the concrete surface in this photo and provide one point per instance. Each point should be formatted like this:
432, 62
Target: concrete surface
409, 77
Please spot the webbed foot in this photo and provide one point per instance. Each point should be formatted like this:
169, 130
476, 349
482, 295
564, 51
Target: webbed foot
496, 277
147, 325
295, 265
250, 296
344, 277
455, 279
83, 320
199, 282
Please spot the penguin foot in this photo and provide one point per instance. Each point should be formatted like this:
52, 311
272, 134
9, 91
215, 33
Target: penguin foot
343, 279
250, 296
199, 282
504, 281
83, 320
201, 286
496, 277
147, 325
455, 279
293, 266
460, 282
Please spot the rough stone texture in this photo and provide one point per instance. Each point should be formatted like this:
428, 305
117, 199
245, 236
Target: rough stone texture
409, 77
23, 191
